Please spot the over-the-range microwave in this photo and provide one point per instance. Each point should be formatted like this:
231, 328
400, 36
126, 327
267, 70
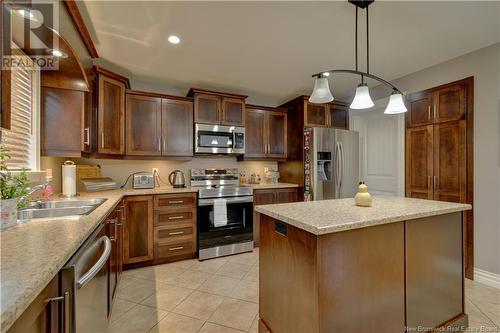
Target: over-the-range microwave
218, 139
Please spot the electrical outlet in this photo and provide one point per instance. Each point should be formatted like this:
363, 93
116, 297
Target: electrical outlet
155, 171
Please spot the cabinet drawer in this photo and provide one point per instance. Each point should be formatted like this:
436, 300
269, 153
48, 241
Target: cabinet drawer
169, 202
169, 250
178, 234
171, 217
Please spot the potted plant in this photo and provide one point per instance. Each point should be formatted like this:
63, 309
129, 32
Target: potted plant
13, 191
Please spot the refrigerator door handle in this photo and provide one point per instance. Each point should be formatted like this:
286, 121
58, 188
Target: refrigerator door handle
337, 169
342, 165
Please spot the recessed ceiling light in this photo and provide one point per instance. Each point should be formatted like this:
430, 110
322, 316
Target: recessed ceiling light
173, 39
57, 53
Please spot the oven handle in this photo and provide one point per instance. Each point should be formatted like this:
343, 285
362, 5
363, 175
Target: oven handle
98, 265
210, 202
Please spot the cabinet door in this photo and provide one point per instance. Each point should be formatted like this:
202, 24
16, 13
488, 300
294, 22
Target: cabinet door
143, 125
419, 162
207, 109
276, 134
111, 116
285, 195
419, 109
338, 116
449, 104
261, 197
138, 231
450, 162
61, 122
255, 132
119, 239
233, 112
111, 232
315, 115
88, 142
177, 128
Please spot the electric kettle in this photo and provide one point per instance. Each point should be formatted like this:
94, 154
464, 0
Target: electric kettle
177, 179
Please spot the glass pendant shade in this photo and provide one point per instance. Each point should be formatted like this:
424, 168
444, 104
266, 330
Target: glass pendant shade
396, 104
362, 99
321, 92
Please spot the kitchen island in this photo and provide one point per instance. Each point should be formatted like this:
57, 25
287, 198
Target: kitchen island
330, 266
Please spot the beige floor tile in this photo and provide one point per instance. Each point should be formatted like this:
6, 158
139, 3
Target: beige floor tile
471, 308
252, 274
255, 325
210, 265
175, 323
189, 279
136, 290
199, 305
480, 292
120, 307
214, 328
491, 310
248, 258
167, 297
158, 272
183, 264
139, 319
235, 314
233, 269
220, 285
246, 291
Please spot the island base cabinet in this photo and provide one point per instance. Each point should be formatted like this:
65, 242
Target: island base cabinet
383, 278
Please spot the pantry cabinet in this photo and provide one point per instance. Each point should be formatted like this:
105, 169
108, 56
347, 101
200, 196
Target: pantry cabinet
217, 108
266, 133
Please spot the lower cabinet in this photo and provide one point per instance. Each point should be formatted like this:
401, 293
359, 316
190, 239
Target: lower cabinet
114, 230
174, 226
269, 197
138, 231
42, 315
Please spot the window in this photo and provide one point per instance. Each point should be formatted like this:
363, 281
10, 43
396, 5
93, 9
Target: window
22, 139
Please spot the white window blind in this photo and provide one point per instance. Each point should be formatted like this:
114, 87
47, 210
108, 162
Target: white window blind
21, 138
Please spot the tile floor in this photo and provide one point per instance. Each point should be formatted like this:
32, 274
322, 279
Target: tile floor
221, 296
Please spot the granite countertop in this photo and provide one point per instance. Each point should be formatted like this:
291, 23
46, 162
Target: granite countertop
33, 253
270, 186
328, 216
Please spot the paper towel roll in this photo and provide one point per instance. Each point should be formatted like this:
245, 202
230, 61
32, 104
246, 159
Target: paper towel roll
69, 179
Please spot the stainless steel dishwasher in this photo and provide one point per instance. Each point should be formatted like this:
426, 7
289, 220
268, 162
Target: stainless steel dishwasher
86, 277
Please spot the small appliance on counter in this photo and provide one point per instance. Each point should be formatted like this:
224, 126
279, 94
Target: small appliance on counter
144, 180
176, 179
96, 184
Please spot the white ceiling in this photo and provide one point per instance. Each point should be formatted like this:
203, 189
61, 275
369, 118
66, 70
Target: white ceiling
268, 50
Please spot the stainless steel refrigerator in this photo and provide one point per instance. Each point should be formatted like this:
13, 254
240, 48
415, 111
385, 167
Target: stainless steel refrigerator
331, 163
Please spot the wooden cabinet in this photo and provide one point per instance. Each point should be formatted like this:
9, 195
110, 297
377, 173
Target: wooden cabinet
177, 127
266, 133
439, 149
143, 129
138, 231
269, 197
174, 226
437, 105
110, 112
158, 126
114, 230
338, 115
315, 115
211, 107
61, 122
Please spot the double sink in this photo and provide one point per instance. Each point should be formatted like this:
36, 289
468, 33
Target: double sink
58, 208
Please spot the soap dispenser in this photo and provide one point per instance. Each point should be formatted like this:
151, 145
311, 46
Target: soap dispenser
363, 198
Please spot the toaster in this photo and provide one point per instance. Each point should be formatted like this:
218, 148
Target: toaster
144, 180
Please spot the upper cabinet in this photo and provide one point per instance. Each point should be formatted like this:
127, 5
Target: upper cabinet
335, 114
266, 133
437, 105
110, 112
217, 108
158, 125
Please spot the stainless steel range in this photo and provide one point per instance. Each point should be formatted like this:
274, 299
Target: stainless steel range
225, 213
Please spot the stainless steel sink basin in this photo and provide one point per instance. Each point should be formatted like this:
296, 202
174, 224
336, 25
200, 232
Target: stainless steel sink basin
62, 208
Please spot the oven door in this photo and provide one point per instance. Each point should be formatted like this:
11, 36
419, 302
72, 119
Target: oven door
239, 226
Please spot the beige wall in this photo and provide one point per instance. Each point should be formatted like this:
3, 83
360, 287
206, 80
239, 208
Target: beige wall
484, 65
119, 170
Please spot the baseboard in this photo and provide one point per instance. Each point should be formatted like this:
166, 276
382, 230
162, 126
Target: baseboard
487, 278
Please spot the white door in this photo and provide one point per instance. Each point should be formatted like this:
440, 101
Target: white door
381, 149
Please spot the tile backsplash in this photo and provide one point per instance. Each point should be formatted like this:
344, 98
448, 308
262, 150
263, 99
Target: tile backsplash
119, 170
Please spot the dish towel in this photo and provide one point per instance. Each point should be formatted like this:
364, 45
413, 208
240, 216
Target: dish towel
220, 213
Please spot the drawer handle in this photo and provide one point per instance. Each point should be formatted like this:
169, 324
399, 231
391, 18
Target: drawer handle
175, 201
176, 233
176, 248
176, 217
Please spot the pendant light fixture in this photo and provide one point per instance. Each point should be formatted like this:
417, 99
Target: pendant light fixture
362, 100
